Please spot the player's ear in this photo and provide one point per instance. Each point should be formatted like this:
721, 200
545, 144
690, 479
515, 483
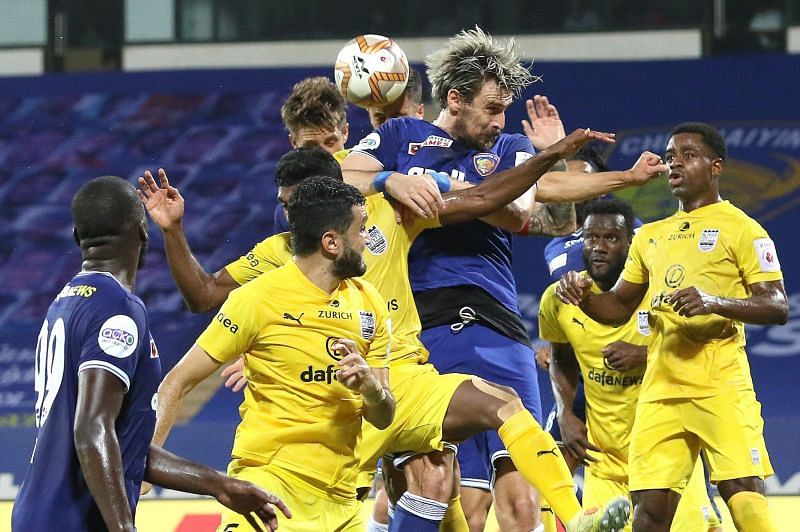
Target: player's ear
420, 112
454, 99
329, 243
717, 167
345, 132
143, 230
291, 141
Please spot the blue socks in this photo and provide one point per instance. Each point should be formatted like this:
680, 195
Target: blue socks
413, 512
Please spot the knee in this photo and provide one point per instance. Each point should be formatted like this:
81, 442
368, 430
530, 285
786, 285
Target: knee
648, 513
729, 488
500, 403
431, 475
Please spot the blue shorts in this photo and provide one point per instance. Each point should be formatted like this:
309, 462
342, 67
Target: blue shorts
578, 408
481, 351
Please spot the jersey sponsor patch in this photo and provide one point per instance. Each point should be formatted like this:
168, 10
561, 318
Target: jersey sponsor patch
437, 142
558, 262
377, 244
367, 324
118, 336
485, 163
370, 142
767, 257
708, 239
521, 157
643, 322
755, 456
153, 348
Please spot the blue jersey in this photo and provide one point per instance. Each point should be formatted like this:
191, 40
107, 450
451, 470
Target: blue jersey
94, 322
472, 253
279, 222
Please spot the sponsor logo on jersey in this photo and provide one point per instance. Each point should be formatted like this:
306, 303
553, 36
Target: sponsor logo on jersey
755, 456
708, 239
153, 348
367, 324
370, 142
334, 314
118, 336
288, 316
82, 290
437, 142
643, 322
576, 320
604, 378
767, 257
227, 323
485, 163
684, 226
674, 276
311, 374
329, 348
376, 244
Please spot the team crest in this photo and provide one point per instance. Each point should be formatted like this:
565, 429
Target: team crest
708, 239
377, 243
486, 163
367, 324
643, 322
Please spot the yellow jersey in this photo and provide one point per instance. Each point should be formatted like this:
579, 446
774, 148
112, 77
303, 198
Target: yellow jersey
611, 395
295, 415
721, 251
386, 257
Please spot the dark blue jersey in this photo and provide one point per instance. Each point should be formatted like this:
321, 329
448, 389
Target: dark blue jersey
279, 222
93, 323
472, 253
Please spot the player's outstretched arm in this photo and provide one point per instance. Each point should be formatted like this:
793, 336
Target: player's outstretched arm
190, 371
504, 187
614, 307
579, 186
173, 472
564, 371
201, 290
767, 304
371, 383
100, 395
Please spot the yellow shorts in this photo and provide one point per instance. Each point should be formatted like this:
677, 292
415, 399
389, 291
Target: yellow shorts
310, 512
423, 396
667, 437
694, 512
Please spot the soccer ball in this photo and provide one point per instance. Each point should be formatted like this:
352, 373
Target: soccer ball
371, 71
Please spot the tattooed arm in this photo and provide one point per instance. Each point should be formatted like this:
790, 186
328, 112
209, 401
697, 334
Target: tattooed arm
552, 219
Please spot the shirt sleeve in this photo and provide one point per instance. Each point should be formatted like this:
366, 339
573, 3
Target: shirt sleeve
380, 347
384, 143
519, 150
635, 269
115, 338
265, 256
756, 255
235, 328
549, 327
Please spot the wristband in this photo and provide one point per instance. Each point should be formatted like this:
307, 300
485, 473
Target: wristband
379, 183
442, 180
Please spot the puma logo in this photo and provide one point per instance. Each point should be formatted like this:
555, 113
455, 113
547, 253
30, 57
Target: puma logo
553, 452
288, 316
575, 320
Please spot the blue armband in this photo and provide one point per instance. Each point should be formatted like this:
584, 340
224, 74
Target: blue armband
379, 183
442, 180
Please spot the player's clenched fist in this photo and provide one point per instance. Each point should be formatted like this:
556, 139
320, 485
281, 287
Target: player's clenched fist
692, 302
573, 288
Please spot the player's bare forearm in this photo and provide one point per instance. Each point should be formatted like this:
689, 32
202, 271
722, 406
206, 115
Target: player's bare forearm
767, 304
606, 308
100, 398
361, 179
564, 371
579, 186
173, 472
200, 290
551, 219
379, 408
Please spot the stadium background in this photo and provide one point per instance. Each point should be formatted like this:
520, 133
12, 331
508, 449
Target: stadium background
207, 111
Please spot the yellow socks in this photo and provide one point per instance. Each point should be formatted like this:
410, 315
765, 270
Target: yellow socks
750, 512
454, 518
536, 455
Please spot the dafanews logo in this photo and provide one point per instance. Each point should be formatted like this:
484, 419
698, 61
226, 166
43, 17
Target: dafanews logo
327, 375
604, 378
118, 336
227, 323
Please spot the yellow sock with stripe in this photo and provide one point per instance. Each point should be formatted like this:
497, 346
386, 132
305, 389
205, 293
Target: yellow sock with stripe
536, 455
454, 518
750, 512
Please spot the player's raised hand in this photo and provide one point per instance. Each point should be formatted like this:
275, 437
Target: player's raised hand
576, 438
234, 376
572, 143
648, 166
623, 356
543, 357
420, 193
692, 302
257, 505
544, 126
573, 288
163, 203
354, 373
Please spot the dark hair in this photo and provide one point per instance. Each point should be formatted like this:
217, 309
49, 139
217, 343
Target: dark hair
414, 87
591, 155
611, 206
318, 205
301, 163
314, 102
712, 138
105, 206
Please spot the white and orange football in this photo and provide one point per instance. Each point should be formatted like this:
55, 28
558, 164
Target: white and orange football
371, 71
